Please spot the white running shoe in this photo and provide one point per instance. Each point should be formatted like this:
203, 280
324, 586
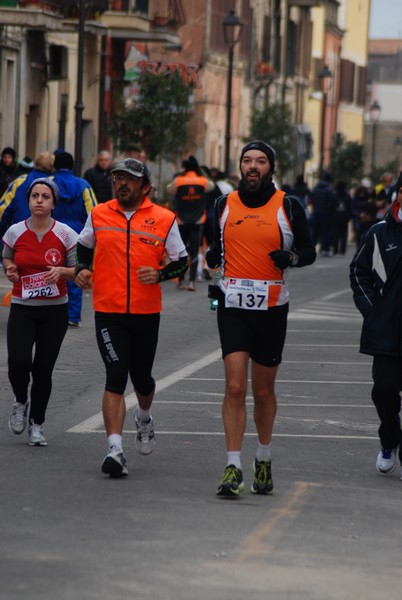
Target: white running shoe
35, 433
18, 418
145, 439
386, 460
115, 463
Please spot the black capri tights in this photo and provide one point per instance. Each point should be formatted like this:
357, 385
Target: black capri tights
42, 328
127, 344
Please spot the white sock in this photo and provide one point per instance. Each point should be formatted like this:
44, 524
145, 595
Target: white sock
143, 415
263, 452
114, 439
234, 459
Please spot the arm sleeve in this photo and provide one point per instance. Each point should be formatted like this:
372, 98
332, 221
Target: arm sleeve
302, 245
214, 252
174, 269
84, 256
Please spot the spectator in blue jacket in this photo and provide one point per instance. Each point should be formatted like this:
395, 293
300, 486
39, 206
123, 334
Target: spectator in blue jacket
13, 204
76, 200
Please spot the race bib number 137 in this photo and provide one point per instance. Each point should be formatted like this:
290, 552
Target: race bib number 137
250, 294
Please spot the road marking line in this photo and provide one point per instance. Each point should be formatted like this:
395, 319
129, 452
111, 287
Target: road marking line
262, 540
165, 382
221, 434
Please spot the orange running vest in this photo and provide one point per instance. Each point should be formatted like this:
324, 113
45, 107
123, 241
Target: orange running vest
190, 198
249, 235
122, 246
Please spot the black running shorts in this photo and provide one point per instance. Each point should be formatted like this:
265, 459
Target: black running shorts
261, 333
127, 344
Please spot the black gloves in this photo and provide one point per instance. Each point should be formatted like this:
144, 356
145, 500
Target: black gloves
281, 258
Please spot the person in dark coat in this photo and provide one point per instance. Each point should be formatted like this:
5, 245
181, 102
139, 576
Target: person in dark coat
8, 168
323, 203
376, 281
363, 212
341, 217
99, 177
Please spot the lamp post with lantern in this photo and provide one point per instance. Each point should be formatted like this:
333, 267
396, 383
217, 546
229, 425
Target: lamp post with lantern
324, 76
231, 31
375, 111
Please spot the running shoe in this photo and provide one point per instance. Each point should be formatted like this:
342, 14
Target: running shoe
181, 285
145, 439
386, 460
35, 435
18, 418
231, 483
115, 463
262, 483
191, 286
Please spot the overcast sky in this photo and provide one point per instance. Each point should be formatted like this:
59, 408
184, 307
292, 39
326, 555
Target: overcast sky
386, 19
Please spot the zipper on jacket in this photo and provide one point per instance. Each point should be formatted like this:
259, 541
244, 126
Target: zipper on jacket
128, 264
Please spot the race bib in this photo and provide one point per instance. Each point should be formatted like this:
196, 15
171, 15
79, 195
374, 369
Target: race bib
34, 286
250, 294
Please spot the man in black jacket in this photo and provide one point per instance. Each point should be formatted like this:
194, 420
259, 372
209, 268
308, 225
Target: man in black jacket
376, 281
99, 177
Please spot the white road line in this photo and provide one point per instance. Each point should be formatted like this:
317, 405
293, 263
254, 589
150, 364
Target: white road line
315, 381
221, 434
131, 400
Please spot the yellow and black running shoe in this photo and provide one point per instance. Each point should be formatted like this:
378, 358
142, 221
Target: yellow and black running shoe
262, 483
231, 483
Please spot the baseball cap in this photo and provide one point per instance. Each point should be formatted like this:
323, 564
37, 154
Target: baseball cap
130, 165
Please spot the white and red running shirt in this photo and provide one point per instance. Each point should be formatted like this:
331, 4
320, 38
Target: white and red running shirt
33, 253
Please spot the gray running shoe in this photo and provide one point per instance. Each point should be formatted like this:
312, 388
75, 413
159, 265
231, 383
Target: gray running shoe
386, 460
145, 439
35, 433
18, 418
115, 463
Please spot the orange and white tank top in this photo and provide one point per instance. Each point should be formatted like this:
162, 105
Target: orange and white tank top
250, 279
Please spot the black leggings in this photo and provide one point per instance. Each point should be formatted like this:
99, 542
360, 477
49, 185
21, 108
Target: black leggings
387, 376
43, 327
191, 236
127, 344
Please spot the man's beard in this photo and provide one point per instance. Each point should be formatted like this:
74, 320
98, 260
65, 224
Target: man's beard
256, 184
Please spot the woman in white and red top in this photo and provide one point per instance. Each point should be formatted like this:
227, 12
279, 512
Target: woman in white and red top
38, 257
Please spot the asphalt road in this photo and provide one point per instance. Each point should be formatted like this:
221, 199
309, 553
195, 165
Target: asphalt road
332, 530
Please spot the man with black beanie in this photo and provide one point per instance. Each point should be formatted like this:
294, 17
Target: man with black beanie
376, 281
259, 233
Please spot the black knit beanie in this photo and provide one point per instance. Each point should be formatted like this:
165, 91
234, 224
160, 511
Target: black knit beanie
9, 151
63, 160
263, 147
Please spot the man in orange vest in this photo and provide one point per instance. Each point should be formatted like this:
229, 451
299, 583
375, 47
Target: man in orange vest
259, 232
189, 190
121, 252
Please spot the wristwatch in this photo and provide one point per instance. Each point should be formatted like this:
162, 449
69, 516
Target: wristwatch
294, 258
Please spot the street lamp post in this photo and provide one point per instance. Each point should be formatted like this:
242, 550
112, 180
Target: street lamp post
231, 32
79, 106
325, 76
375, 110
